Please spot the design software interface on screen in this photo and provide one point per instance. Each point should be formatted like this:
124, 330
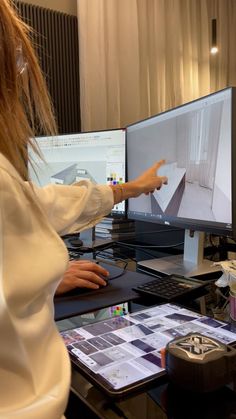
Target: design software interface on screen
96, 156
195, 139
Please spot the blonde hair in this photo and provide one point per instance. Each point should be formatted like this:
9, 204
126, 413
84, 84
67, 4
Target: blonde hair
25, 106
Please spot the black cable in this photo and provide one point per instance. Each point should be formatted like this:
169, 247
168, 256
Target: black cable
140, 246
118, 253
141, 233
80, 250
115, 259
145, 252
120, 274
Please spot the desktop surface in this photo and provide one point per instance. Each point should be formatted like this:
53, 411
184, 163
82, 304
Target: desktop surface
120, 288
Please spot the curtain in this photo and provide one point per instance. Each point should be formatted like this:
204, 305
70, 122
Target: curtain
199, 139
141, 57
210, 136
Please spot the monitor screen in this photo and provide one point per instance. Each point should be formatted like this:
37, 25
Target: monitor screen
98, 156
197, 140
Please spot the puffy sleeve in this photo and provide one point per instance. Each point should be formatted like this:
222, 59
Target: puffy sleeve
74, 207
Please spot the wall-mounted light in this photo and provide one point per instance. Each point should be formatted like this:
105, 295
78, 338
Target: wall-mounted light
214, 47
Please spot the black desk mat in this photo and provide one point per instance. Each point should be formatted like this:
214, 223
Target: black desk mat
117, 291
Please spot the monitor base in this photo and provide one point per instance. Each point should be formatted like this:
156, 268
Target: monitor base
177, 265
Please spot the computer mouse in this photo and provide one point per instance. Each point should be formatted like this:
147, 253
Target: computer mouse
79, 291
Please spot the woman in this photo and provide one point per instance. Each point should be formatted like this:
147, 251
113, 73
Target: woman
34, 364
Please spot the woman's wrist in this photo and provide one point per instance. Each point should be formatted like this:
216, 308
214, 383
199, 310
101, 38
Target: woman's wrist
118, 193
124, 191
146, 183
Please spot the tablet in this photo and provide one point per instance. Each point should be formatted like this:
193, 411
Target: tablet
123, 354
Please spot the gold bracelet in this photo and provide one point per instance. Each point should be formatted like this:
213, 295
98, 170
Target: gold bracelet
118, 193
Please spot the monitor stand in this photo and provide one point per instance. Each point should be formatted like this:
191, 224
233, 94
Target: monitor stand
190, 264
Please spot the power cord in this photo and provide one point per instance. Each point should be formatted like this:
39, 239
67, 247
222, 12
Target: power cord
120, 274
117, 252
140, 246
115, 260
143, 233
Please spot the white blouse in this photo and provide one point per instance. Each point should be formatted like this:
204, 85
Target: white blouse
34, 364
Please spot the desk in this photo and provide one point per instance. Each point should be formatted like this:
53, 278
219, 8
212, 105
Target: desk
161, 402
141, 406
118, 291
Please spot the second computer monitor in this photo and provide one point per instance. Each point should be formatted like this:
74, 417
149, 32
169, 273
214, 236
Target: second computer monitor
198, 141
98, 156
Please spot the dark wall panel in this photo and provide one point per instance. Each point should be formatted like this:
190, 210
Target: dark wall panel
56, 42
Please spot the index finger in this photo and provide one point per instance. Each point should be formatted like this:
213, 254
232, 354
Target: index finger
97, 268
100, 270
159, 164
164, 180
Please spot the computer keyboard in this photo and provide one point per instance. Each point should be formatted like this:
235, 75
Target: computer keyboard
169, 288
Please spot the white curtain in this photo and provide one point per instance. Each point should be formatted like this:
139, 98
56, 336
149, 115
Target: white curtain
210, 136
201, 139
141, 57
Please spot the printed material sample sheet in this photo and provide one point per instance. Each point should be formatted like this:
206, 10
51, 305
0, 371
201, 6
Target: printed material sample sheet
125, 350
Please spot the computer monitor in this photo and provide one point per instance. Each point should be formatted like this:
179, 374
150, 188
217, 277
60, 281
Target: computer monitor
198, 142
98, 156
